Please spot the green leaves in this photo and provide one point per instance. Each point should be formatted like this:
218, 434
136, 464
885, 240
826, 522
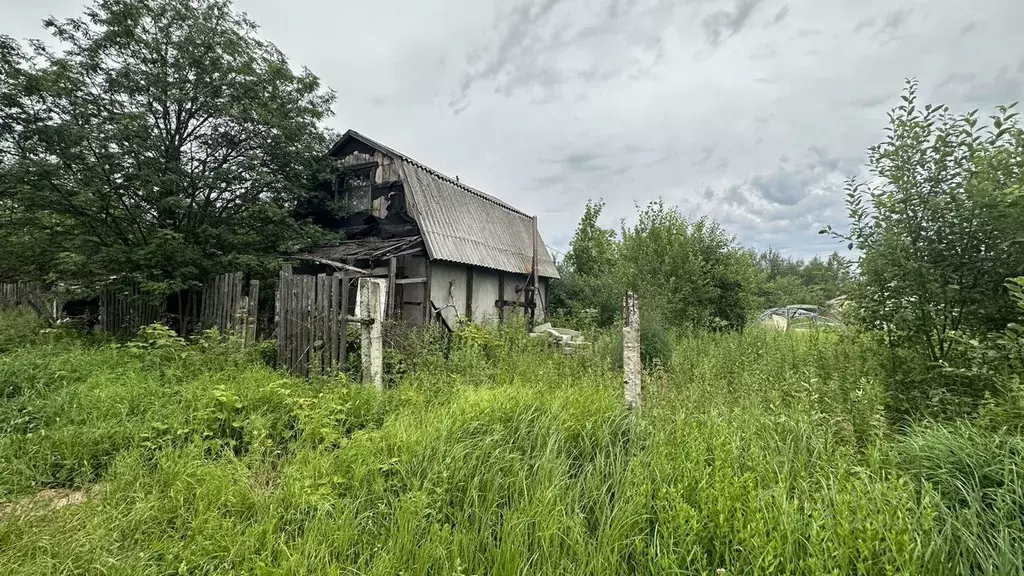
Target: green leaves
690, 274
937, 232
167, 140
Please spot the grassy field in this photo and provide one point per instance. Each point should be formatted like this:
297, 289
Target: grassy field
761, 453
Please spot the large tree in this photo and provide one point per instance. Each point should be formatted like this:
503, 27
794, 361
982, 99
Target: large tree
162, 142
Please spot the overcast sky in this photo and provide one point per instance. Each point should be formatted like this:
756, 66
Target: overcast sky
750, 111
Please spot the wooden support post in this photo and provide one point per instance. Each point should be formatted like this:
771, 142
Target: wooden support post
392, 274
631, 365
469, 293
372, 295
532, 296
501, 297
427, 307
239, 309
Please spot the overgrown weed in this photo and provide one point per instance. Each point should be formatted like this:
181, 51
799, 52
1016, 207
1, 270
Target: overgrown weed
755, 453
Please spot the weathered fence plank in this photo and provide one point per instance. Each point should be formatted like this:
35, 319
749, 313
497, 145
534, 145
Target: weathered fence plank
343, 324
252, 309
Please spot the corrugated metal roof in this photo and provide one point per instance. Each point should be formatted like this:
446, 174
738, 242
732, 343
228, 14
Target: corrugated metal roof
462, 224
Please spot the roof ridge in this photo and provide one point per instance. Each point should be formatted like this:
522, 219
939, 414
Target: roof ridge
433, 172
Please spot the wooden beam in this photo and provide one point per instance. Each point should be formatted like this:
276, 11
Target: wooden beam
469, 293
337, 265
501, 297
533, 272
410, 280
389, 308
426, 292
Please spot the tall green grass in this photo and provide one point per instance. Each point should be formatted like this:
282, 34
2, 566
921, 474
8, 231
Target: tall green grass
760, 453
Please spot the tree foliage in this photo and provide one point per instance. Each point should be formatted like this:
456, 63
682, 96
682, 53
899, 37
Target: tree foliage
939, 225
792, 281
689, 275
163, 142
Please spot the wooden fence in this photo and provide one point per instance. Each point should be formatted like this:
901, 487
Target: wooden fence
311, 314
32, 295
228, 308
312, 323
313, 319
125, 311
16, 294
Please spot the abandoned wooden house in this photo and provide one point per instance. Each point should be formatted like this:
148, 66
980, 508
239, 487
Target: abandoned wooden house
450, 252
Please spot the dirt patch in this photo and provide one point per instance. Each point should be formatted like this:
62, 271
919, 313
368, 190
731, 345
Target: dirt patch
47, 500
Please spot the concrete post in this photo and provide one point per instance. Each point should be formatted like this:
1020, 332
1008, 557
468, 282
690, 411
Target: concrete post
372, 296
631, 366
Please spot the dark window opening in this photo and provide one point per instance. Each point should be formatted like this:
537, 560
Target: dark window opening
354, 192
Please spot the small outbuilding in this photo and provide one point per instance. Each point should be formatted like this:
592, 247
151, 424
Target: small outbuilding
449, 251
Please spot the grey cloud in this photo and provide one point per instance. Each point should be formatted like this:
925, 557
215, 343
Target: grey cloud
546, 103
872, 101
1004, 88
706, 152
548, 181
791, 191
864, 24
782, 187
527, 54
790, 225
957, 79
723, 24
583, 162
781, 15
836, 164
894, 21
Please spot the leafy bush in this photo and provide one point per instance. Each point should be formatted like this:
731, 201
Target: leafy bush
939, 227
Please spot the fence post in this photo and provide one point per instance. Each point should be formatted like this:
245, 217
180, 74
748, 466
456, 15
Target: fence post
631, 365
372, 295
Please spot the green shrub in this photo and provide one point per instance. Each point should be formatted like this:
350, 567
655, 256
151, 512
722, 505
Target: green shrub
22, 327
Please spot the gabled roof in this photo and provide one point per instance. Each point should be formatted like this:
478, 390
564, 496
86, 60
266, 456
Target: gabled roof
462, 224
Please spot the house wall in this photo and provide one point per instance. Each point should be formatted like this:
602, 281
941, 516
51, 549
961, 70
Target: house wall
412, 295
387, 169
448, 289
358, 153
485, 292
450, 284
543, 303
